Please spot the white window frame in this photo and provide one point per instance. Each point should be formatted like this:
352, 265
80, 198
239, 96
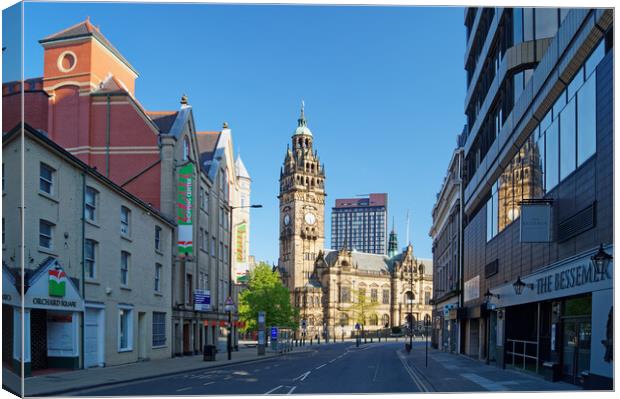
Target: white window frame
162, 345
129, 311
91, 206
50, 237
49, 181
93, 260
127, 223
158, 274
126, 269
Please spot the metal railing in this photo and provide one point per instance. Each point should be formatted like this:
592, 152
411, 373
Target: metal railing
520, 349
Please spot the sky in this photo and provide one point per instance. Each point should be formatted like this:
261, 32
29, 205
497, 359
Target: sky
383, 89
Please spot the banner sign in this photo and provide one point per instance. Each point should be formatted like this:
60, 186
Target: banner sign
472, 289
202, 300
185, 209
241, 236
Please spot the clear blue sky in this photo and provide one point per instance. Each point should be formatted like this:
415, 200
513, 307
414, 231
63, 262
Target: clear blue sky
383, 86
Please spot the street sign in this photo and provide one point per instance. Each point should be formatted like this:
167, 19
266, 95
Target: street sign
202, 300
229, 305
261, 317
274, 333
358, 326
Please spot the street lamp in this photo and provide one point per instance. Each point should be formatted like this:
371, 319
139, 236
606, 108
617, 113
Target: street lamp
601, 260
410, 298
230, 306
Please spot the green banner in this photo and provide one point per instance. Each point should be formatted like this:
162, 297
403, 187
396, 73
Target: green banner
185, 209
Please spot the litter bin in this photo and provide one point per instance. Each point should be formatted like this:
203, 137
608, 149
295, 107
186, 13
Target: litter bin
551, 371
208, 354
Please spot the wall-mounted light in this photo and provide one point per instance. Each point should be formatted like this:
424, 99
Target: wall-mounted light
600, 260
488, 295
519, 285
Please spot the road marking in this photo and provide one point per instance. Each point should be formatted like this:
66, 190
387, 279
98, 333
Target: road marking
416, 379
303, 376
183, 389
485, 383
274, 389
209, 383
322, 365
291, 391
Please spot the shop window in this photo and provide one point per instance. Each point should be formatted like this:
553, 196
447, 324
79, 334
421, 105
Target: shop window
90, 204
46, 230
125, 329
159, 328
90, 263
46, 178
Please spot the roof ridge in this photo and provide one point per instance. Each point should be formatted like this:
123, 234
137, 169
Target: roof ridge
67, 29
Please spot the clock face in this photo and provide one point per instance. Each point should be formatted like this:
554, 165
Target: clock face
287, 219
310, 218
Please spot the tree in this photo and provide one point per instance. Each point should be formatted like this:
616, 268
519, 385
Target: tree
362, 308
266, 293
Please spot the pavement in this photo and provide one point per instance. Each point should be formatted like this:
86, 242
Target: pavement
333, 368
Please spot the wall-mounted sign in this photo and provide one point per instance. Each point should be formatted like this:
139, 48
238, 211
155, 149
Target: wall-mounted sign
472, 289
535, 222
50, 288
202, 300
185, 210
57, 282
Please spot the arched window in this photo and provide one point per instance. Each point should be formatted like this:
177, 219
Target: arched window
185, 148
385, 320
409, 297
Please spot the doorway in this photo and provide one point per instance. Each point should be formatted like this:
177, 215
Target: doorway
576, 339
142, 337
186, 350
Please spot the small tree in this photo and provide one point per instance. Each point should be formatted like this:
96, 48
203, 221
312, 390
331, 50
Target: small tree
266, 293
362, 308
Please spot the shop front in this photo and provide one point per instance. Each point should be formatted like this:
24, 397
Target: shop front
560, 324
52, 315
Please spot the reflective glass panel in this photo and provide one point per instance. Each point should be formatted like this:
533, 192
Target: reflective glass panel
517, 27
551, 156
528, 24
568, 140
586, 120
546, 22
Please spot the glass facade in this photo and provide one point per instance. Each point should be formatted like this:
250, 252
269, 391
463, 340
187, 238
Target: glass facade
361, 228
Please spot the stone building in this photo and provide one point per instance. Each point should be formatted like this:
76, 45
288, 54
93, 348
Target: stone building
328, 285
97, 264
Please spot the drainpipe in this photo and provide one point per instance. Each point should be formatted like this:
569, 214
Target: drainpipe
83, 271
107, 138
461, 246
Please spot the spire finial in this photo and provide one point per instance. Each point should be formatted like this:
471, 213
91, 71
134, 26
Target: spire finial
225, 125
302, 117
184, 99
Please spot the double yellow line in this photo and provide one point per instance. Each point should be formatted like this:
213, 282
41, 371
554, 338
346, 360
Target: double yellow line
422, 386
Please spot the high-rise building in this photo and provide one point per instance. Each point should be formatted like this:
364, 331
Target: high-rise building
537, 289
361, 224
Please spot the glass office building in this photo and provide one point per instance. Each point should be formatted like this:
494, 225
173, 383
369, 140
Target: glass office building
360, 224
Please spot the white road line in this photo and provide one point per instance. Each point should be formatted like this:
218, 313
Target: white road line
183, 389
303, 376
291, 391
322, 365
209, 383
274, 389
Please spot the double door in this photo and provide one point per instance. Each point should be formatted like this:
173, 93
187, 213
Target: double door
576, 342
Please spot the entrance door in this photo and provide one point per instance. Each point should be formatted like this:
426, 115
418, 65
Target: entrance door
142, 338
576, 348
186, 339
38, 339
93, 337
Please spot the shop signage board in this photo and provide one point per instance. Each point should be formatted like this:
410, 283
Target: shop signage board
573, 276
185, 209
472, 289
47, 290
535, 222
202, 300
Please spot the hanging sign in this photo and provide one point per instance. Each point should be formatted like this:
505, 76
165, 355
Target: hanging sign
185, 209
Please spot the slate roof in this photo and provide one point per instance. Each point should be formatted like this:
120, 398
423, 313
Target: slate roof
163, 119
364, 261
86, 29
207, 146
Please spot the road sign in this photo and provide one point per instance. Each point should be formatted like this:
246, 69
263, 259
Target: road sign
274, 333
261, 317
229, 305
358, 326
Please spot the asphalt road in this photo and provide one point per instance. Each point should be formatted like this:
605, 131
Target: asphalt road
335, 368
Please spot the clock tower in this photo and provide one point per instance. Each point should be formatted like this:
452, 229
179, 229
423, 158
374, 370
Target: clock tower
302, 208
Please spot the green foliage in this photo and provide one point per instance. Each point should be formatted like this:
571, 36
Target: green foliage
362, 308
266, 293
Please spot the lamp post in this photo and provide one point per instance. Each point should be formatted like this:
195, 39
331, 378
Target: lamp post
600, 260
488, 295
410, 300
230, 280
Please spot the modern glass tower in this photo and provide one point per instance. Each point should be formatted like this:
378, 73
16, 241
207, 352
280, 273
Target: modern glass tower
360, 224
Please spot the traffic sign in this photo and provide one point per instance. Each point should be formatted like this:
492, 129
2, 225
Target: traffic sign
229, 305
274, 333
261, 317
358, 326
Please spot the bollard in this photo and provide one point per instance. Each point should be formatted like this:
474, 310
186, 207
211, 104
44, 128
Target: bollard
371, 340
310, 341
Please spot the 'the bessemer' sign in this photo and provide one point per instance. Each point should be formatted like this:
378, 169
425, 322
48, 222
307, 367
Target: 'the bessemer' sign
573, 277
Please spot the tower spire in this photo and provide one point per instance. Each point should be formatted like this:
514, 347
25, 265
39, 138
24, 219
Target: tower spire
302, 117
